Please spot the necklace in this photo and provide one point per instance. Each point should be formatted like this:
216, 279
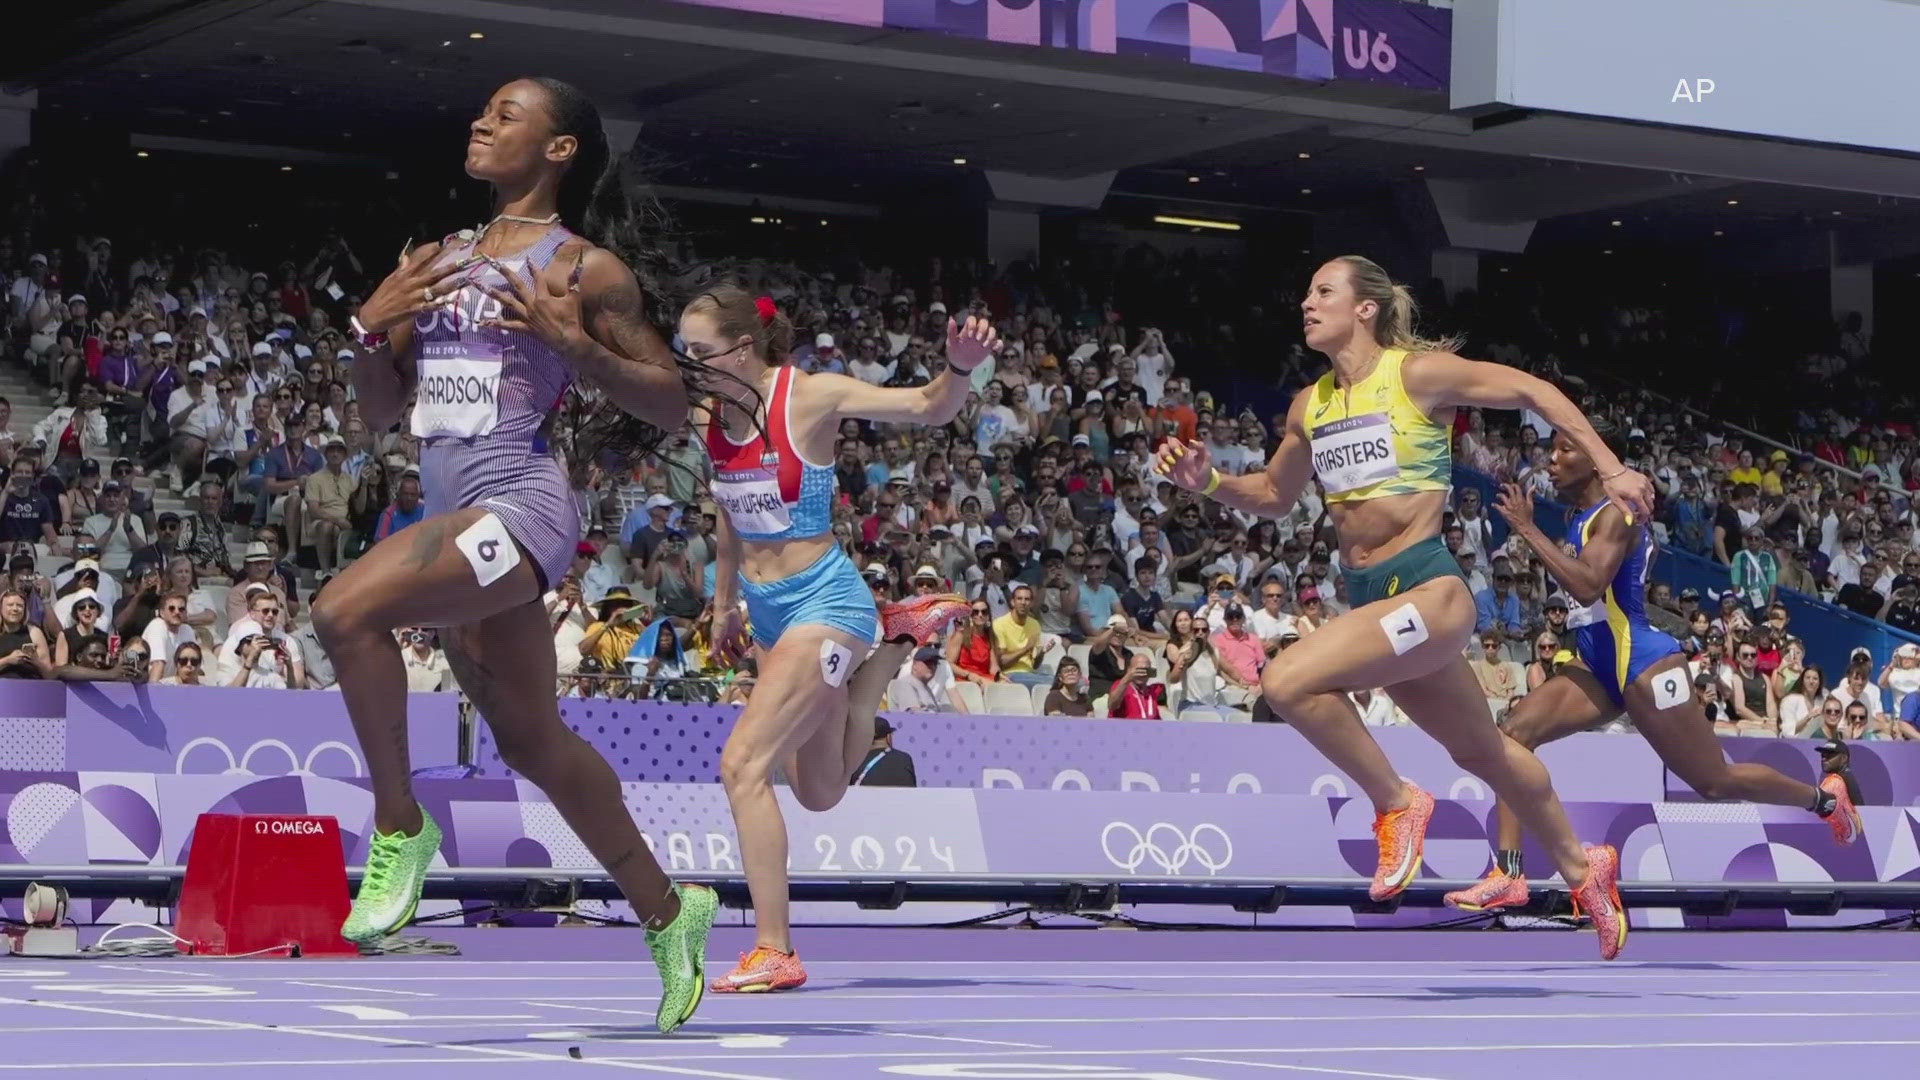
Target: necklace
474, 234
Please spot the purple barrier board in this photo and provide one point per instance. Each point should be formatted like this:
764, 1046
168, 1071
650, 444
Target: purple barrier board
70, 818
193, 729
680, 744
1375, 40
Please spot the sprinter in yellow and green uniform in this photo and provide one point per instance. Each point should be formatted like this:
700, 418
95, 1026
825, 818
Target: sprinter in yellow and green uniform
1374, 431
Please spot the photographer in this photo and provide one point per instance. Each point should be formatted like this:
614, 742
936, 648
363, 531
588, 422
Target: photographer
257, 653
611, 636
426, 665
94, 665
675, 585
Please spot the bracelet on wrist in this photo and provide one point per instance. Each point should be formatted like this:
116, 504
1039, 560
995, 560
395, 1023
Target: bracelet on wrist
1621, 471
958, 372
363, 337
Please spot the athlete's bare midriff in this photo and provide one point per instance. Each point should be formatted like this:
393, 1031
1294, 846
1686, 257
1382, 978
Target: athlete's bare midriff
1374, 530
773, 560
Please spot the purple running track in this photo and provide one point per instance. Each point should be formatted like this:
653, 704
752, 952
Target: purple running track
1006, 1004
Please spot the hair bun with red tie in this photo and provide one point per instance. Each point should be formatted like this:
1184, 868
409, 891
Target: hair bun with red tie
764, 305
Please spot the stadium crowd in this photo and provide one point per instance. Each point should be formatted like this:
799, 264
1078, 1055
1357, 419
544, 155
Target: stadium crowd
198, 468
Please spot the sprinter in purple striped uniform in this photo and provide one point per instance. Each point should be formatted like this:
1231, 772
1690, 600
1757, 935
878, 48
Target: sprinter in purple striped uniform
487, 331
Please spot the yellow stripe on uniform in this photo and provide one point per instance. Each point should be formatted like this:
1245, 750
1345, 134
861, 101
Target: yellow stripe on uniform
1617, 622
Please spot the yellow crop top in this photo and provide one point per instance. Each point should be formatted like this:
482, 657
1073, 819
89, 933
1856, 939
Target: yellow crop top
1372, 440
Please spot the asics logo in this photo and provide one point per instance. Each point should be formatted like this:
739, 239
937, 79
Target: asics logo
1167, 847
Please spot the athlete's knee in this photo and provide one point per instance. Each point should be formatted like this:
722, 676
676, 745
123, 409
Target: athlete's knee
1523, 727
1285, 686
339, 617
816, 795
744, 765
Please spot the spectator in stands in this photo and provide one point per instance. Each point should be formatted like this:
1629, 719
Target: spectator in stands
1068, 694
23, 646
1502, 681
166, 633
161, 551
1540, 667
74, 432
426, 665
1863, 596
189, 668
1309, 610
192, 414
1900, 678
676, 584
85, 627
1902, 610
1755, 572
289, 464
922, 686
313, 655
27, 515
1801, 703
1499, 609
1017, 640
257, 568
885, 766
115, 528
94, 665
642, 536
1239, 657
1857, 687
328, 494
1755, 710
970, 651
258, 653
203, 537
1133, 696
615, 628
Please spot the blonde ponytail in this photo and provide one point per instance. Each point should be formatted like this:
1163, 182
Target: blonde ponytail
1394, 326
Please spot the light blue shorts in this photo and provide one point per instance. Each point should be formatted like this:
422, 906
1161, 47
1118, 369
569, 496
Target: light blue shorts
829, 593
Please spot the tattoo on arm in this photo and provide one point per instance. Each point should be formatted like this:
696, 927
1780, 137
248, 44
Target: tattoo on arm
620, 323
621, 859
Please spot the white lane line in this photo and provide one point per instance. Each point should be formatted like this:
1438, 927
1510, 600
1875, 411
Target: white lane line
1311, 1069
1478, 962
932, 1038
1468, 1048
202, 1063
177, 970
1068, 994
1612, 974
360, 989
683, 1070
387, 1041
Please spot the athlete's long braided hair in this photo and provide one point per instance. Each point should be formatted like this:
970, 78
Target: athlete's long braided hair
609, 200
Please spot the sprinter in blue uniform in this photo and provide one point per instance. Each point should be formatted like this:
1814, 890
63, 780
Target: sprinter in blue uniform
1622, 664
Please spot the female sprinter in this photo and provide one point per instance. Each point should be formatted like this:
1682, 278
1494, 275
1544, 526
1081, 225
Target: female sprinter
491, 331
1624, 663
1375, 430
813, 620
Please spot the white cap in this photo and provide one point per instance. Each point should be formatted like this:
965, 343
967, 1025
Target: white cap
38, 258
198, 367
937, 308
1095, 395
258, 552
197, 310
163, 338
344, 354
1117, 622
824, 341
301, 352
1082, 440
261, 348
87, 564
876, 569
926, 572
659, 502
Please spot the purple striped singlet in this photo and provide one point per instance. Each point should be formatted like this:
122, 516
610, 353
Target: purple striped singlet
484, 396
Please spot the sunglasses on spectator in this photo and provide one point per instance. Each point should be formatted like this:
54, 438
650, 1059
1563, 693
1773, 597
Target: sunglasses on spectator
1746, 654
186, 661
1831, 710
1544, 647
269, 611
982, 611
174, 607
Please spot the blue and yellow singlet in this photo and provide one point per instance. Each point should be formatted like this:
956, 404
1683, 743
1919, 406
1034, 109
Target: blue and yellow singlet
1612, 634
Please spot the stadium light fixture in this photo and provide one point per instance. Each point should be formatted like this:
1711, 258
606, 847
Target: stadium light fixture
476, 36
1196, 223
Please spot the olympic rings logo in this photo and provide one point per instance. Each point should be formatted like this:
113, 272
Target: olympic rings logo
1166, 846
244, 766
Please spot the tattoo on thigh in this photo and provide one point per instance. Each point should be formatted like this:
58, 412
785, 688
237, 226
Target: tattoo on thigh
428, 538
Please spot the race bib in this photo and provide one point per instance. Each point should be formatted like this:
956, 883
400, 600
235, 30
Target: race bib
459, 392
752, 501
1353, 453
1595, 612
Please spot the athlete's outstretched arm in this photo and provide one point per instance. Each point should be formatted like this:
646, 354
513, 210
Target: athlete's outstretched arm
1269, 493
1439, 380
932, 405
1584, 576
